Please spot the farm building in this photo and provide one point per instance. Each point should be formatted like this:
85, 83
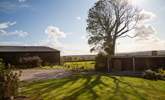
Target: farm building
138, 61
13, 54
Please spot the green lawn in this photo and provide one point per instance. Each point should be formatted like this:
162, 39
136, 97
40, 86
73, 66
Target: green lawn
95, 87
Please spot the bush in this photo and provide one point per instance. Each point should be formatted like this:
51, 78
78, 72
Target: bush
152, 75
101, 62
9, 82
30, 62
162, 73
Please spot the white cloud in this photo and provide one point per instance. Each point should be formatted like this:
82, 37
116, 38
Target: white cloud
21, 0
145, 32
146, 40
5, 25
54, 32
54, 35
78, 18
147, 37
20, 33
146, 15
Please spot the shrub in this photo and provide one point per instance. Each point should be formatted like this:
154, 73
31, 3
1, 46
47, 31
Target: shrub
9, 82
152, 75
30, 62
162, 73
101, 61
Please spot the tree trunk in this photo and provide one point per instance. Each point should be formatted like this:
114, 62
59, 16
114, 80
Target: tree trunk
111, 53
113, 46
108, 64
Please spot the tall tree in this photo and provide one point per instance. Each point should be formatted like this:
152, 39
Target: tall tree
109, 20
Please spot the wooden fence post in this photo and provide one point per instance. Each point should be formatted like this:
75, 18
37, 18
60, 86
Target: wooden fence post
133, 63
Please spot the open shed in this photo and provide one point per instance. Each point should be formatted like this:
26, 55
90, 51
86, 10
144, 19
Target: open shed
12, 54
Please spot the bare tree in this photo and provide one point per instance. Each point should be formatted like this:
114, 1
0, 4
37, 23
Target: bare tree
109, 20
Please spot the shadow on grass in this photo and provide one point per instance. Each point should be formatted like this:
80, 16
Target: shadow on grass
100, 86
119, 89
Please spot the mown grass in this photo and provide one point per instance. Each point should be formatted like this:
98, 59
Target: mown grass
95, 87
85, 65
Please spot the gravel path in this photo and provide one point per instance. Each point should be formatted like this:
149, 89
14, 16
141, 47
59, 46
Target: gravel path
40, 74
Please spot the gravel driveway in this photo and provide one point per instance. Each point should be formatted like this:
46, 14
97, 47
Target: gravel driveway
39, 74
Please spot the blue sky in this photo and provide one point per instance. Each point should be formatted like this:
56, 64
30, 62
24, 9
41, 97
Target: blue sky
61, 24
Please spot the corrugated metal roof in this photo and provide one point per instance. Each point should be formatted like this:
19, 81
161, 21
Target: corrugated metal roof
27, 49
142, 53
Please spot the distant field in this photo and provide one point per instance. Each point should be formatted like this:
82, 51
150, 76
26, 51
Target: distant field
82, 64
86, 65
95, 87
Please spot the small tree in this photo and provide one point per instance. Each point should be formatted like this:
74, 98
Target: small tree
9, 82
100, 62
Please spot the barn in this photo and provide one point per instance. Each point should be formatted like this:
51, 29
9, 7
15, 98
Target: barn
138, 61
12, 54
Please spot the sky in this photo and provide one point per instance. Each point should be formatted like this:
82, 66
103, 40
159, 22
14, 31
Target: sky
61, 24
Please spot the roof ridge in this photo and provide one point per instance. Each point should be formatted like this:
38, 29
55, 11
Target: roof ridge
26, 48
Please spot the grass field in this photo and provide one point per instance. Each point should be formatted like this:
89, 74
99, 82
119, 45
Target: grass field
86, 65
83, 64
95, 87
